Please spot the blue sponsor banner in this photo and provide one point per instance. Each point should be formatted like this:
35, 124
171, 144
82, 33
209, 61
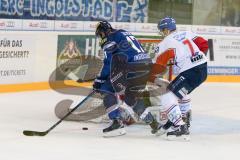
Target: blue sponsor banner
220, 70
76, 10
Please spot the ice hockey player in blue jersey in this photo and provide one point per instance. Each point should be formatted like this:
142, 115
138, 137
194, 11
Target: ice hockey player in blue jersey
122, 51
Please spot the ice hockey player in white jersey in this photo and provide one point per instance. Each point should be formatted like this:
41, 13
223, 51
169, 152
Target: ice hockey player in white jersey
187, 52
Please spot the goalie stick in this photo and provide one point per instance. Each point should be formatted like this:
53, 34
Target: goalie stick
92, 108
37, 133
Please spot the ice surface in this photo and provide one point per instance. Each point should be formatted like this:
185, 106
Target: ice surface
215, 131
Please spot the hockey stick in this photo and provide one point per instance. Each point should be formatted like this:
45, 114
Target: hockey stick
36, 133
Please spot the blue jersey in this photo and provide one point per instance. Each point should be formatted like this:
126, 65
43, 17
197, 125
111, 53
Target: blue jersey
121, 41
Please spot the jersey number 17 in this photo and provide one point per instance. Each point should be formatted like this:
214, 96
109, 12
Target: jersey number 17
135, 44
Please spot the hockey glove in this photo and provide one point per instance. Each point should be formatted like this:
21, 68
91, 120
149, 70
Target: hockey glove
97, 84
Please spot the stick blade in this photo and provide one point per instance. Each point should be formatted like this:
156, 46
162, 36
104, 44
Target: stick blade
34, 133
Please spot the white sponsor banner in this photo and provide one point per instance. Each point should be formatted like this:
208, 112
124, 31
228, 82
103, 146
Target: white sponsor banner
126, 26
2, 24
17, 55
38, 25
184, 27
89, 26
10, 24
206, 29
132, 27
69, 25
146, 27
86, 26
230, 30
226, 52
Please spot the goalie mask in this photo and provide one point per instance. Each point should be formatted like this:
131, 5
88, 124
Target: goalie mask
166, 25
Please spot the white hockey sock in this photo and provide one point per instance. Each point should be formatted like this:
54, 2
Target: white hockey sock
185, 105
170, 106
175, 115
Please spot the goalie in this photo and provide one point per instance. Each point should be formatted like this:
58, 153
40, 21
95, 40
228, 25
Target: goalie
187, 51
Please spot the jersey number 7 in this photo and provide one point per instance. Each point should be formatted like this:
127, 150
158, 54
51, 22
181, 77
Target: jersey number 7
188, 43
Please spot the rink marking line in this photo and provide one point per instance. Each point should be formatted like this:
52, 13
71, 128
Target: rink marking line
35, 86
223, 78
41, 86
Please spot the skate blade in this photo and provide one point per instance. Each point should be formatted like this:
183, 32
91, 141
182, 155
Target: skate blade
178, 138
115, 133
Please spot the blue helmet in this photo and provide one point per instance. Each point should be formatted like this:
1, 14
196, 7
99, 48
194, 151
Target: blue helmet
168, 23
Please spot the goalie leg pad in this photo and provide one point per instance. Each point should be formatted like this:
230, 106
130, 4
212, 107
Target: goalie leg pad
155, 101
159, 89
127, 115
163, 83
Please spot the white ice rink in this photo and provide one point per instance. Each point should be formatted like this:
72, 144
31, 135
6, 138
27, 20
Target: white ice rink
215, 131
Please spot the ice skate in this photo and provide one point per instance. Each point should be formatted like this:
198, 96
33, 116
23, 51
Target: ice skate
181, 133
155, 126
116, 128
162, 129
151, 121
